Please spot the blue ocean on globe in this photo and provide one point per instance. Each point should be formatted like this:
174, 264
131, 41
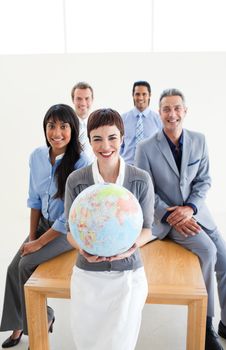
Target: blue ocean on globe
105, 219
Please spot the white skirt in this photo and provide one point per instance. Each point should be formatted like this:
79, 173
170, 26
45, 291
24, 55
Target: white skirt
106, 308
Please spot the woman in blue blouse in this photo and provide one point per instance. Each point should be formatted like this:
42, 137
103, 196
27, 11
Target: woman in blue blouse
49, 168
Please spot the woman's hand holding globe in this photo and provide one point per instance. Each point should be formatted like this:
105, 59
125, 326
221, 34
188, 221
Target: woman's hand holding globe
95, 258
124, 255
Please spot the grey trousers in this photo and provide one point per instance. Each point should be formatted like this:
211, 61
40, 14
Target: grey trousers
210, 247
19, 271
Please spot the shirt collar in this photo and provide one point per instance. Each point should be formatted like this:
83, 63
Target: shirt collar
98, 178
57, 157
83, 121
145, 112
180, 142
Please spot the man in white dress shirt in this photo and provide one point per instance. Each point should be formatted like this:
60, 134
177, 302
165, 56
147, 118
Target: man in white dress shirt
82, 98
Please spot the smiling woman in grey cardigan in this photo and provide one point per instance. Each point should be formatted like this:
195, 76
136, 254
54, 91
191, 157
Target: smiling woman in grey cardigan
108, 294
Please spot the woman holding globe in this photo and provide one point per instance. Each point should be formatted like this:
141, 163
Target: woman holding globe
49, 168
108, 293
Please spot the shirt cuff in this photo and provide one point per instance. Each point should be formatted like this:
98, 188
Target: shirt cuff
164, 218
34, 204
59, 226
191, 205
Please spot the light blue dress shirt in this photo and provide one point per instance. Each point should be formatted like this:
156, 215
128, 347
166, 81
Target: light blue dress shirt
42, 186
151, 124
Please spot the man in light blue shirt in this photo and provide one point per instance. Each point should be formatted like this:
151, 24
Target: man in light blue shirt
135, 129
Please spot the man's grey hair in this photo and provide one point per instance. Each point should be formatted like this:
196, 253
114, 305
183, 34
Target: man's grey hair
171, 92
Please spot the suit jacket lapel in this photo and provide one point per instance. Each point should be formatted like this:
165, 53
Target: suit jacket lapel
166, 152
187, 146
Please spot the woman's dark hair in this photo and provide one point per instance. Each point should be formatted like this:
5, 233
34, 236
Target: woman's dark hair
102, 117
65, 114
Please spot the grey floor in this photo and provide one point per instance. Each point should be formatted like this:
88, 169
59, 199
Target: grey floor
163, 326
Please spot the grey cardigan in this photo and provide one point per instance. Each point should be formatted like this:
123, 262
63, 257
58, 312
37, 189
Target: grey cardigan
136, 181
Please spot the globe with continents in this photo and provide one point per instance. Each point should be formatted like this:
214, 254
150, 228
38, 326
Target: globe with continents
105, 219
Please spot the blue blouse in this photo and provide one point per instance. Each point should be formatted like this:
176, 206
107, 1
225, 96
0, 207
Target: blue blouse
42, 186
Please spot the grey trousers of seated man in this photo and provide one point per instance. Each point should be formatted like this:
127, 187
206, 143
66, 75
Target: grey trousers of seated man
210, 247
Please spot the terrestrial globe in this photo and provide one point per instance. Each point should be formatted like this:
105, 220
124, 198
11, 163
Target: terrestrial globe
105, 219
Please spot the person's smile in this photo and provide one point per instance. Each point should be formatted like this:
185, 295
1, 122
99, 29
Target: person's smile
106, 154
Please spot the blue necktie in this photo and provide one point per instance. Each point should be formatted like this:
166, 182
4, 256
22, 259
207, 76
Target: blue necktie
139, 128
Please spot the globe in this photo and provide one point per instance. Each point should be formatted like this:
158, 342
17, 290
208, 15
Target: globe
105, 219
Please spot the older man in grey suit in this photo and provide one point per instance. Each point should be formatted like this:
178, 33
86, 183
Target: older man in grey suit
177, 160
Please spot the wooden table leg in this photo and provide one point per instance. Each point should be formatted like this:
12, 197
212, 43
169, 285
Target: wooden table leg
37, 320
196, 326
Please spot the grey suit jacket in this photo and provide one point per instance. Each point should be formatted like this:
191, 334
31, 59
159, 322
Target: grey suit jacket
171, 187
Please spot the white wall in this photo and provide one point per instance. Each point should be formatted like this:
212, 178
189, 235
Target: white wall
29, 85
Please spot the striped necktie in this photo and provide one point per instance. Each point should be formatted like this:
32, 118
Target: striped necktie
139, 135
82, 134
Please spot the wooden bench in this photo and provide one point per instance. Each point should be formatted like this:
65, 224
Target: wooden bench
174, 277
